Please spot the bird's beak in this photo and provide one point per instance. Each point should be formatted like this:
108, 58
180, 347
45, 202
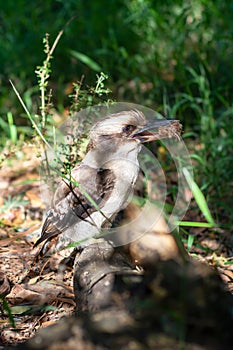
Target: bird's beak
158, 129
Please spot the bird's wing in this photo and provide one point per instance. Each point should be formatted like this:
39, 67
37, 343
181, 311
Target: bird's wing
70, 205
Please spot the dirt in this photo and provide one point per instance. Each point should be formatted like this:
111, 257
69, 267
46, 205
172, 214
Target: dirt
38, 292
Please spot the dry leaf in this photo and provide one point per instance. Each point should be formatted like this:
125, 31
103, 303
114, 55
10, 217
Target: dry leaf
4, 284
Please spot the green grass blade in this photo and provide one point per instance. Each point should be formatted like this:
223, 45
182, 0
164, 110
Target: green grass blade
194, 224
199, 197
30, 116
86, 60
198, 158
190, 242
7, 309
12, 127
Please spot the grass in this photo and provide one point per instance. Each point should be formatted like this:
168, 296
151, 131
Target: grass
8, 311
42, 123
183, 91
214, 141
163, 55
175, 57
200, 200
84, 98
13, 202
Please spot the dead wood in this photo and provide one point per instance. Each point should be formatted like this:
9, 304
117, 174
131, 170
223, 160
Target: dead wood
170, 304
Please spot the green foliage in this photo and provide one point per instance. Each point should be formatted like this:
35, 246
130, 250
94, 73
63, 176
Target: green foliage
83, 97
8, 128
13, 202
157, 53
199, 197
140, 40
86, 60
211, 121
143, 41
63, 161
7, 310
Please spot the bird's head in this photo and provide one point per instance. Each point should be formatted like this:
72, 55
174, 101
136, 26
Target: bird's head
131, 127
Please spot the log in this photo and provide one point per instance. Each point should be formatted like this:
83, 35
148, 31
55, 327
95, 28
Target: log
170, 303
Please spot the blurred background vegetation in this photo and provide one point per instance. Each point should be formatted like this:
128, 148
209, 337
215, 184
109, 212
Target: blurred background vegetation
173, 56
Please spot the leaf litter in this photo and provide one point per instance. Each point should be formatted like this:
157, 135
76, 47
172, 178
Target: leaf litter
37, 294
40, 294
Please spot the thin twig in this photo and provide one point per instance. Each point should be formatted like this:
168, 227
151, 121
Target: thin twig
29, 116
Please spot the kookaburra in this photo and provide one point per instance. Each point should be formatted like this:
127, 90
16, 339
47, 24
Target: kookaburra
106, 175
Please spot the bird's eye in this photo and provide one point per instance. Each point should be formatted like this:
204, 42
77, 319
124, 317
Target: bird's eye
127, 129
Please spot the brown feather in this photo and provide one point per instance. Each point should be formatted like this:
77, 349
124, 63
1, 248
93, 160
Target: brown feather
71, 206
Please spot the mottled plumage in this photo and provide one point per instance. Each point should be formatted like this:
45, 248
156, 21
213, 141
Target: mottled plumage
107, 174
